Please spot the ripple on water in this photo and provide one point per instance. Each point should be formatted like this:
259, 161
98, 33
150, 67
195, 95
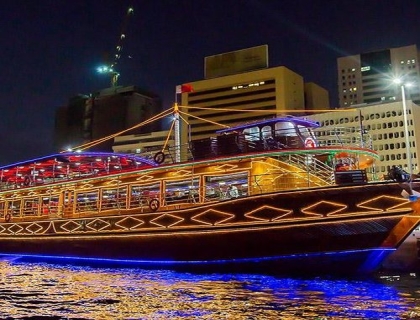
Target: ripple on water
33, 291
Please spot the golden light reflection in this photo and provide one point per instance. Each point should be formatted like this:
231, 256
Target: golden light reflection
68, 292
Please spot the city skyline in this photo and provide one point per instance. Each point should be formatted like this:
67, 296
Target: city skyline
52, 49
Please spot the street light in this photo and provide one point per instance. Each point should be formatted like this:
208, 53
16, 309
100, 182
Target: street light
407, 139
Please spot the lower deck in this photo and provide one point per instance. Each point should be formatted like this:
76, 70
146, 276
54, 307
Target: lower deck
165, 188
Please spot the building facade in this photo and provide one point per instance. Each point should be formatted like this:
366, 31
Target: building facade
369, 77
148, 144
89, 118
385, 125
237, 87
219, 102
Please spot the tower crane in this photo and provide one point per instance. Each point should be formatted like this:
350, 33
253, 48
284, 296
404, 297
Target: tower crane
110, 68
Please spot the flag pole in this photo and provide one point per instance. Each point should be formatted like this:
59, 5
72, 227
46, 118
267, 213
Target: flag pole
177, 134
179, 89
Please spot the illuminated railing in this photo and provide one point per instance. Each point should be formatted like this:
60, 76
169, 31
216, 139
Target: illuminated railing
135, 196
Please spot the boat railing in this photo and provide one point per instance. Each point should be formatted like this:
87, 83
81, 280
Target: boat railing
287, 174
311, 165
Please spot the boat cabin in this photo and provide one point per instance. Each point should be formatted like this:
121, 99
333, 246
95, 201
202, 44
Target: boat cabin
271, 134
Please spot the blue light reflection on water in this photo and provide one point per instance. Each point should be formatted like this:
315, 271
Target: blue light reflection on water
83, 292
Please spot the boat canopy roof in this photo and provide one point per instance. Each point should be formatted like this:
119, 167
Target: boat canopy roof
298, 121
72, 165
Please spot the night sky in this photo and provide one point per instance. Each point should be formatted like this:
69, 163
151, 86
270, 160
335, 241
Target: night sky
50, 49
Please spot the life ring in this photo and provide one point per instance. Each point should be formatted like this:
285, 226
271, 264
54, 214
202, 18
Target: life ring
8, 217
154, 204
26, 181
310, 143
159, 157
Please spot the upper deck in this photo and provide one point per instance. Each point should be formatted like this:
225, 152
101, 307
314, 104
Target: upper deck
282, 135
68, 166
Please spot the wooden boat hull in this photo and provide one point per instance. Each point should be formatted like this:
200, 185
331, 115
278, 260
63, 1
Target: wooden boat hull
331, 229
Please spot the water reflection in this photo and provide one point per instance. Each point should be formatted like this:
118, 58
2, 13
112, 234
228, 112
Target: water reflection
28, 290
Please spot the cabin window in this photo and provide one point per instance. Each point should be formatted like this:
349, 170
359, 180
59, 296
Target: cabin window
114, 198
87, 201
185, 191
50, 205
252, 133
221, 187
14, 208
305, 132
266, 132
31, 207
140, 196
285, 129
2, 209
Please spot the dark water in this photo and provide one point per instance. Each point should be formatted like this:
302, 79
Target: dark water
49, 291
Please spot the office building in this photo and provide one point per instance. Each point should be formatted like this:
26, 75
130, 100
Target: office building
89, 118
369, 77
385, 125
147, 144
240, 87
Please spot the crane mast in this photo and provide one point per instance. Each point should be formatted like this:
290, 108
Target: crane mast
110, 69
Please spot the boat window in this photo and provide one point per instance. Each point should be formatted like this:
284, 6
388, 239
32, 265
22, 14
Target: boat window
252, 133
185, 191
285, 129
50, 205
141, 195
2, 209
221, 187
31, 207
266, 132
87, 201
114, 198
14, 208
305, 132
